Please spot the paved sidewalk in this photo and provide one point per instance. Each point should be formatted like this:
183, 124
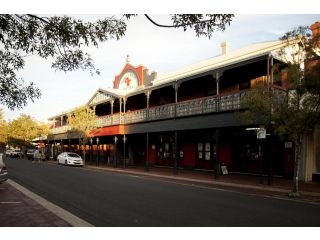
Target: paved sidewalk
21, 208
18, 210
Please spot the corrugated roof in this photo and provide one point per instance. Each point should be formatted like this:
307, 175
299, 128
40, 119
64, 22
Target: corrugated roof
242, 54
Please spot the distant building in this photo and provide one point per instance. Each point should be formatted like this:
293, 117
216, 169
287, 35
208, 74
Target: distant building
186, 118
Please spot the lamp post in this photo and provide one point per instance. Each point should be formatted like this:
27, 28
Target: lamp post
147, 155
97, 157
115, 151
124, 150
91, 140
270, 172
261, 134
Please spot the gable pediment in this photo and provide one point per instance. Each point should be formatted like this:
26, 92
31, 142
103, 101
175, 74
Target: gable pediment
100, 97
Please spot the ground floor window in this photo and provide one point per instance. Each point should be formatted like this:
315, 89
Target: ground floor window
205, 151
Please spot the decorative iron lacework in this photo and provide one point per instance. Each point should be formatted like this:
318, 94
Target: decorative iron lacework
99, 98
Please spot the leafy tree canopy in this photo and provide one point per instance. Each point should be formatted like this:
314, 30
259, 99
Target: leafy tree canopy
3, 128
83, 120
23, 130
62, 39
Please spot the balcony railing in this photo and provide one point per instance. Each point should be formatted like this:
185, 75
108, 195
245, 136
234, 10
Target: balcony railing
212, 104
62, 129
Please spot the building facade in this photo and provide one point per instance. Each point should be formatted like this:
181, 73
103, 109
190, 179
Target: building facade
187, 118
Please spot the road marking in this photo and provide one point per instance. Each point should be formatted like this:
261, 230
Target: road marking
10, 202
134, 176
73, 220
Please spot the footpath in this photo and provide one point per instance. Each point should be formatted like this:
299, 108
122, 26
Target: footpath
19, 207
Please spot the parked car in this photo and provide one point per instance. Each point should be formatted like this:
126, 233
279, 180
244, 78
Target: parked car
3, 170
13, 153
16, 153
30, 153
8, 152
70, 158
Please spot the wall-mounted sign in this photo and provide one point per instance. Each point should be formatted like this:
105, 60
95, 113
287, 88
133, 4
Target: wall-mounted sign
261, 133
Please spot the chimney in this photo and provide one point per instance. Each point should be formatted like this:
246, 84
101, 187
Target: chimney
224, 48
315, 28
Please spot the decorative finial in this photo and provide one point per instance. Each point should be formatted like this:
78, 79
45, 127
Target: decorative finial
128, 58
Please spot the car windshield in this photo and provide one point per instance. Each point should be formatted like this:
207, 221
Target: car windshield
73, 155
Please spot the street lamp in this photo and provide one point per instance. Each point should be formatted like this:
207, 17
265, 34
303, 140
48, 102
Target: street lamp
270, 172
124, 150
261, 134
115, 151
91, 140
97, 157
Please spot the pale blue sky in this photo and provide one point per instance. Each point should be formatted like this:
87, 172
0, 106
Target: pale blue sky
158, 49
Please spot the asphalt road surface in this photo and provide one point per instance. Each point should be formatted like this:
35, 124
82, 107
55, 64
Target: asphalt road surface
113, 199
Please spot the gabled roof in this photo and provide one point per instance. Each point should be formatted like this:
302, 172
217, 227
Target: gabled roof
102, 95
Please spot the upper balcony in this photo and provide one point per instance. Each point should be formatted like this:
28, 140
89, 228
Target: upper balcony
210, 93
198, 106
206, 105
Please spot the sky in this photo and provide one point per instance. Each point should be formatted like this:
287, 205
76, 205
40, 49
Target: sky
161, 50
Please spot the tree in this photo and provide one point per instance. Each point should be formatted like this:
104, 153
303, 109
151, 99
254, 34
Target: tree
63, 39
82, 121
21, 131
296, 111
3, 128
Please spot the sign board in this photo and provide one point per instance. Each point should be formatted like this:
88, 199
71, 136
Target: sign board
261, 133
224, 170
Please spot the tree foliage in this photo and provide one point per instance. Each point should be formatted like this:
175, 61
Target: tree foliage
296, 111
3, 128
62, 39
21, 131
83, 120
202, 24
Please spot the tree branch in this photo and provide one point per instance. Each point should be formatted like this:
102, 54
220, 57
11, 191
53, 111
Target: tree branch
158, 25
39, 18
174, 26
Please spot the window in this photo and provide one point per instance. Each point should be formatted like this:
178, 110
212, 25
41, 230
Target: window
204, 151
200, 151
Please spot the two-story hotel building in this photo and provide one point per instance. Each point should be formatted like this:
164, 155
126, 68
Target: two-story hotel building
186, 118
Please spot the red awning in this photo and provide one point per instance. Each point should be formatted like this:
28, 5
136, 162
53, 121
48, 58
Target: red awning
108, 131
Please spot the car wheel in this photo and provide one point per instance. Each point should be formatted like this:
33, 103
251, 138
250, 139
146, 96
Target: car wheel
66, 162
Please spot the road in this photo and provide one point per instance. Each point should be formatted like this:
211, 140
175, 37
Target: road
113, 199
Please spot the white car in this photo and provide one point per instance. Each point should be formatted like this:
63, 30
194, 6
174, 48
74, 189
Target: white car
70, 158
8, 152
